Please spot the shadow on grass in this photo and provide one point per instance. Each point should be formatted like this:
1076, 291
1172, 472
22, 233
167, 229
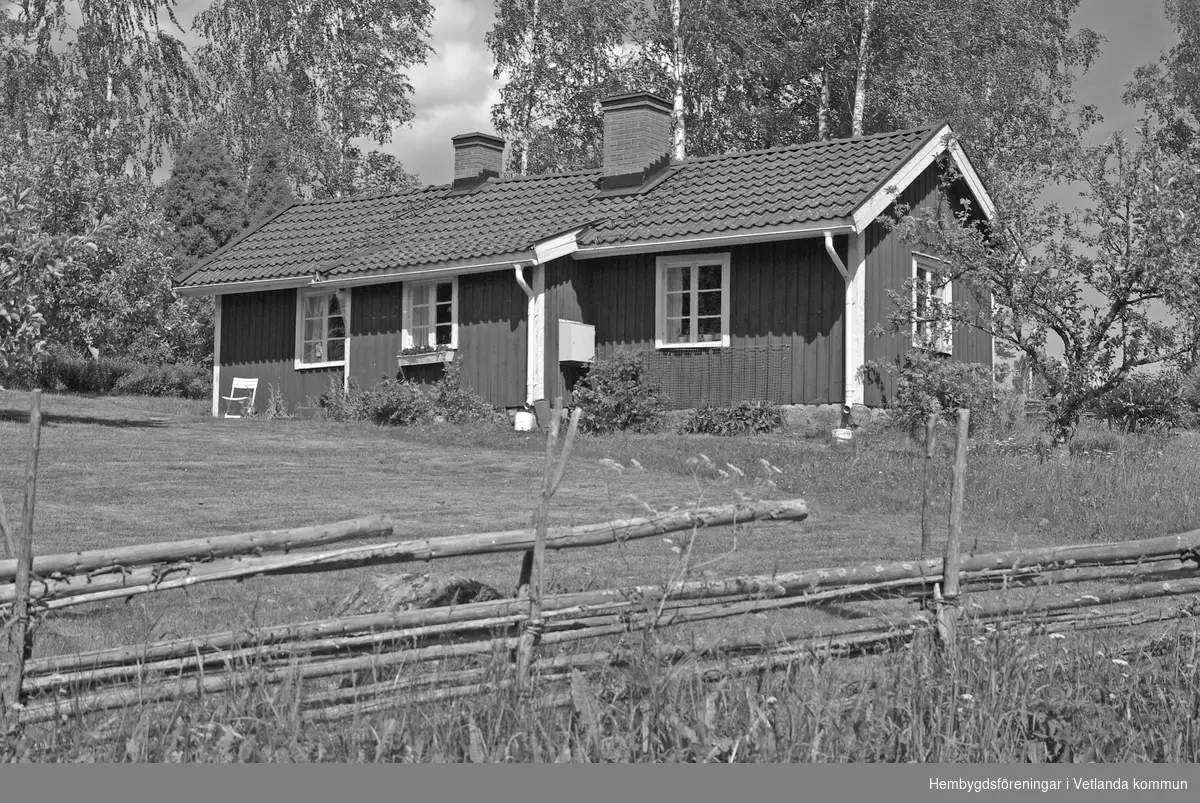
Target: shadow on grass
52, 419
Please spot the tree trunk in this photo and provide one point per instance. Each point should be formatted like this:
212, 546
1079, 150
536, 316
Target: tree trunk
823, 106
532, 41
677, 78
860, 81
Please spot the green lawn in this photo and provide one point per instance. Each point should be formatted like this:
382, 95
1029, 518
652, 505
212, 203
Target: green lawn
133, 470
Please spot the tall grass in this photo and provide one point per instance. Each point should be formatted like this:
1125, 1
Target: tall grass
1074, 698
1106, 487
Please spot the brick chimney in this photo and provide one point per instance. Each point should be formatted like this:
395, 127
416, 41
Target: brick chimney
477, 157
637, 138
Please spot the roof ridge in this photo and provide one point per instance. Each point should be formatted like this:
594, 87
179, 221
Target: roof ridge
813, 144
373, 196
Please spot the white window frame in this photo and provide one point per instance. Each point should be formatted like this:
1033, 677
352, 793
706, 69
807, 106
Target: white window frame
693, 261
344, 301
406, 336
941, 342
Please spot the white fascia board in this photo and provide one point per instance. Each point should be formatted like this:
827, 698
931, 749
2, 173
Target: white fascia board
942, 141
766, 234
251, 286
555, 247
432, 271
986, 205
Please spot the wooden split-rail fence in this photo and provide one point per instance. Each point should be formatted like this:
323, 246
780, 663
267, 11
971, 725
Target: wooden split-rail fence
410, 648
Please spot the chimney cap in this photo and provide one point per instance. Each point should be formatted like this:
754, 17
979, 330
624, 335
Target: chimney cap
478, 138
642, 98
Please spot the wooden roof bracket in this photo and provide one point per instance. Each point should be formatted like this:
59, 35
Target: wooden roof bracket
833, 254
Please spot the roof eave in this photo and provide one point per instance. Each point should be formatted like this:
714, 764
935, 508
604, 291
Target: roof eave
759, 235
187, 273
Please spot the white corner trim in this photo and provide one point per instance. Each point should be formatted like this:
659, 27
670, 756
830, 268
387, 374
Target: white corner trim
216, 392
943, 140
833, 254
856, 320
535, 368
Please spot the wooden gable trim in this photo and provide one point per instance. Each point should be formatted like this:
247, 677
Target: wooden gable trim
943, 140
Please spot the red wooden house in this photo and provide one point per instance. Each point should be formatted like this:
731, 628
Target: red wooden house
749, 275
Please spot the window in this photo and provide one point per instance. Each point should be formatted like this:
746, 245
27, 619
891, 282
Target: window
431, 314
931, 297
693, 301
321, 329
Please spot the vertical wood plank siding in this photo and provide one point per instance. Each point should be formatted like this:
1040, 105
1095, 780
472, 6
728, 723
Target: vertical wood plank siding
784, 295
258, 339
568, 297
889, 266
491, 336
375, 332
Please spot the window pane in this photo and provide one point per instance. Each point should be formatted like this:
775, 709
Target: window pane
443, 314
443, 334
337, 349
679, 279
420, 317
420, 294
710, 277
335, 306
709, 303
445, 291
312, 352
313, 306
674, 305
709, 329
337, 327
314, 330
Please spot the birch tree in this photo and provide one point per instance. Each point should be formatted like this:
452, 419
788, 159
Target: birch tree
332, 74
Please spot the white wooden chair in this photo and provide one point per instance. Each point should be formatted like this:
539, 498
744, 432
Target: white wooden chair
244, 401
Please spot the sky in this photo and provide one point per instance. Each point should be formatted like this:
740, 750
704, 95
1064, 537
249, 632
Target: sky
453, 93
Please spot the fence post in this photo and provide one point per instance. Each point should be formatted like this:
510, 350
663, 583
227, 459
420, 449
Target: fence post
947, 602
533, 565
14, 636
10, 548
927, 485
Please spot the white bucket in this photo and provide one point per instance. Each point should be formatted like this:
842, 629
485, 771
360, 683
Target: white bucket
523, 421
843, 436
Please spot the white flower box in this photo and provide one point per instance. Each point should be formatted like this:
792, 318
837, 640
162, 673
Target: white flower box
429, 358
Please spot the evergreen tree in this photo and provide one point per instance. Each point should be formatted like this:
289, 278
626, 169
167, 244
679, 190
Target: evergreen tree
204, 198
268, 189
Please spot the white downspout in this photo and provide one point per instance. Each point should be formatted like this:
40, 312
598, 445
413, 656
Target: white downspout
855, 318
833, 254
535, 337
518, 269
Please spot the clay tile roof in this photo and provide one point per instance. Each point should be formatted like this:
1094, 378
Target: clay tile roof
733, 193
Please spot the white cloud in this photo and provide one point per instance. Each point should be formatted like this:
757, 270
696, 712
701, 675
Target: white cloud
452, 94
